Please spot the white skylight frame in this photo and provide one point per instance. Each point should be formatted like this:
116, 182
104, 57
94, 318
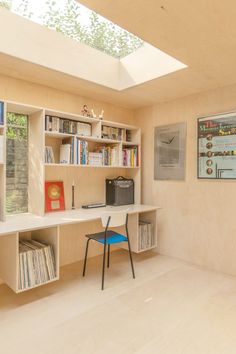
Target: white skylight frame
42, 46
118, 42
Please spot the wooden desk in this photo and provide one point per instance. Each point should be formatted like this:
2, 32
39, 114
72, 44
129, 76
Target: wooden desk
49, 228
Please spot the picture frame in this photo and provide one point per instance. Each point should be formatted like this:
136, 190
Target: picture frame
216, 146
54, 196
170, 151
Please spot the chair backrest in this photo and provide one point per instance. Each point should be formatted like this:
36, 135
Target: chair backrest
116, 219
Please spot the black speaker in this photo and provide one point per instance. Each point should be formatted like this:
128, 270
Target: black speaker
119, 191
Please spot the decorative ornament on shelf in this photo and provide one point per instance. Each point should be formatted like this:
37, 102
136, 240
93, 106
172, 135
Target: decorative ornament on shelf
101, 114
93, 114
85, 111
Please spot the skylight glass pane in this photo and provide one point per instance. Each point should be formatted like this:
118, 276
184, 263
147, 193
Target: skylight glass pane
78, 22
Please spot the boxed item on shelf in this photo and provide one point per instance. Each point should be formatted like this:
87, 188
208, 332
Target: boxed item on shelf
84, 129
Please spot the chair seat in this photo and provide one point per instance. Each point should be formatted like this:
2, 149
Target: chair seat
112, 237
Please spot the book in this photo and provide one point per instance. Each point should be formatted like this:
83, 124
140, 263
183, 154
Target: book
48, 155
54, 196
1, 113
84, 129
65, 153
1, 148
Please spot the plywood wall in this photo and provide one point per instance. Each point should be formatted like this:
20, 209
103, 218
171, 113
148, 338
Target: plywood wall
29, 93
197, 223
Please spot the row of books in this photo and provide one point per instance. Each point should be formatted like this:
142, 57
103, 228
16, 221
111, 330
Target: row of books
75, 152
109, 155
146, 235
78, 153
1, 113
63, 125
36, 263
113, 133
130, 156
49, 155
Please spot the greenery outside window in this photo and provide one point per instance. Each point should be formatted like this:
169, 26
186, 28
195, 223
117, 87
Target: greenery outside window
17, 164
79, 23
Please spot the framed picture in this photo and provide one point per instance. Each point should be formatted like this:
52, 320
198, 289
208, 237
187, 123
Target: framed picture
54, 196
169, 152
217, 146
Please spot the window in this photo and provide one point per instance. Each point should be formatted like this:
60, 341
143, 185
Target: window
17, 164
79, 23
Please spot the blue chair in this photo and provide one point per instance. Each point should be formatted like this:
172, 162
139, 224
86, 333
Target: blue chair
109, 237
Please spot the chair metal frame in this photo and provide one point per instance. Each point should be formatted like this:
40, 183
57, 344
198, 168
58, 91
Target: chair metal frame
108, 253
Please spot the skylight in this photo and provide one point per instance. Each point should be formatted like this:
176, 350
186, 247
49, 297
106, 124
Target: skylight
79, 23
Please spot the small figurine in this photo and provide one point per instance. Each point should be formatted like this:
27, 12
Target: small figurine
93, 114
101, 114
85, 112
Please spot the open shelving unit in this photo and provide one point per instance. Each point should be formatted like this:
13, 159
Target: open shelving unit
54, 138
80, 174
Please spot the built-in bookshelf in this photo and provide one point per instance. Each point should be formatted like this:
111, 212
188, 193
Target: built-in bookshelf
84, 142
96, 149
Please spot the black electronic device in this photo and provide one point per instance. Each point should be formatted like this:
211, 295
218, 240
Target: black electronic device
119, 191
95, 205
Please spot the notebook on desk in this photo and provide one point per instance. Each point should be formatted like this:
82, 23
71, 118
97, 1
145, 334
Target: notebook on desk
94, 205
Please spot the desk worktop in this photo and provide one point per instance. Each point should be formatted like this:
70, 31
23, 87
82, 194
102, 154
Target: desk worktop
27, 222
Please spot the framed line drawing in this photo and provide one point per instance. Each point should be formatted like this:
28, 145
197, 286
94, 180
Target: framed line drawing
170, 151
217, 146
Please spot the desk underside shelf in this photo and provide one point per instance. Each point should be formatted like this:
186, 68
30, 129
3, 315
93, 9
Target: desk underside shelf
53, 227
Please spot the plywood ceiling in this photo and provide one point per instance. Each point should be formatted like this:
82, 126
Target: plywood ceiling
202, 34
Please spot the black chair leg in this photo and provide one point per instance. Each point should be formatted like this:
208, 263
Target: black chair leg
108, 257
103, 265
85, 258
131, 260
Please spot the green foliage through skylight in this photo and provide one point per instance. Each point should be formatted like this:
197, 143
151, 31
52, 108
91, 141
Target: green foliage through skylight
78, 22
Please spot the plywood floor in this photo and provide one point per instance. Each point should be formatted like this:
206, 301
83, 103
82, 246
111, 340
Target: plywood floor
171, 308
